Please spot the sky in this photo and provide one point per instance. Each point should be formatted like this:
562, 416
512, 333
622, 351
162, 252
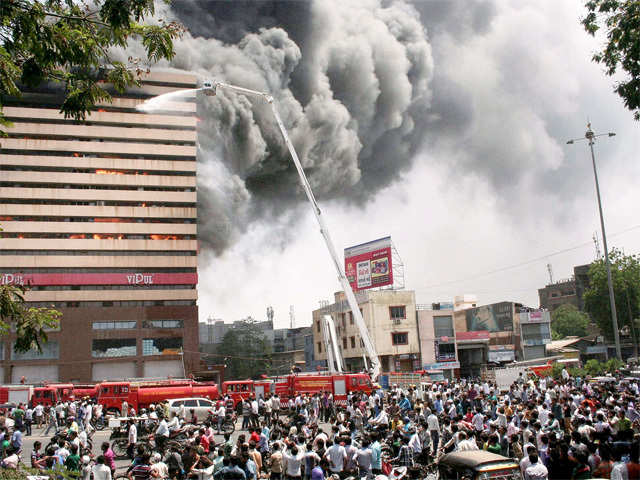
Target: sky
440, 123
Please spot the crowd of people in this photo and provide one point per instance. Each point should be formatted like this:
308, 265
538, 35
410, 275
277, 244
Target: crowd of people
571, 428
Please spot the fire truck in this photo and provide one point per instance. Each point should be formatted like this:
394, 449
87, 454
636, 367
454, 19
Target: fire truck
51, 393
141, 394
288, 386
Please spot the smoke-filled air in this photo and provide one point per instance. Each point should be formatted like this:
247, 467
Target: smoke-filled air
351, 82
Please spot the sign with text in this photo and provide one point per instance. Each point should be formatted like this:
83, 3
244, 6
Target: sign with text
535, 316
369, 265
132, 278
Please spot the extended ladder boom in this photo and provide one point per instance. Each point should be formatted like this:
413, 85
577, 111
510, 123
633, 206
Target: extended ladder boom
209, 88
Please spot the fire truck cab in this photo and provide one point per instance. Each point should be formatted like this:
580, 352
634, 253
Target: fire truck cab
238, 390
51, 394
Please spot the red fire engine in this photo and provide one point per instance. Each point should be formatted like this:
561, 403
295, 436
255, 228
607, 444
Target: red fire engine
142, 394
288, 386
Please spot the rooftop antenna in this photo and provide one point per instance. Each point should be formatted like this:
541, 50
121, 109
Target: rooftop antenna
596, 242
270, 315
292, 317
550, 270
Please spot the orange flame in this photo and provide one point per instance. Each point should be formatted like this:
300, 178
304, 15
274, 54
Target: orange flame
108, 220
96, 236
6, 218
108, 172
143, 204
76, 154
78, 235
120, 237
163, 237
20, 236
101, 110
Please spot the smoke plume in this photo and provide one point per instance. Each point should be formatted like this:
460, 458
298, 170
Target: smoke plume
350, 80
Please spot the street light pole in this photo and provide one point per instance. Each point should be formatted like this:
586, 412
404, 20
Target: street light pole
590, 136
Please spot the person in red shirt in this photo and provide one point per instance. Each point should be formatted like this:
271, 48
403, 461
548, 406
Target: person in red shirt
255, 436
204, 440
633, 467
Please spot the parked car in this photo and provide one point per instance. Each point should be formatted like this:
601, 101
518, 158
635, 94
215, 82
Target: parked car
200, 406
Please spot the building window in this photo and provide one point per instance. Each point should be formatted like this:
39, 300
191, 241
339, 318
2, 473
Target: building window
443, 326
353, 342
398, 313
319, 347
318, 326
344, 343
113, 347
161, 346
162, 324
350, 318
50, 350
114, 325
401, 338
344, 320
446, 352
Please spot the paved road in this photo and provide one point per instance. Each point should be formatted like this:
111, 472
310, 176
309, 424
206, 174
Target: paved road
98, 438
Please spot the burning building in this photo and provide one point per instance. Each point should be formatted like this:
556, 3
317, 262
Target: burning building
99, 220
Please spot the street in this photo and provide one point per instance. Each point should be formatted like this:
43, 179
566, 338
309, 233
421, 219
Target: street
97, 438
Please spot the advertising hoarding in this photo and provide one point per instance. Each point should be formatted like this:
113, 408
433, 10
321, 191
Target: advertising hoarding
497, 317
535, 316
369, 265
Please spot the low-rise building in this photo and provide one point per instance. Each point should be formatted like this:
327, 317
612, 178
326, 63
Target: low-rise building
437, 338
390, 317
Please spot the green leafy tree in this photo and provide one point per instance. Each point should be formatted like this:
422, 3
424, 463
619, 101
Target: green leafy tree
30, 324
625, 274
248, 354
620, 20
567, 320
69, 42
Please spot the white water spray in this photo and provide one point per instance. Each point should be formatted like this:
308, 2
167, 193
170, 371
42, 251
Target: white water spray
167, 100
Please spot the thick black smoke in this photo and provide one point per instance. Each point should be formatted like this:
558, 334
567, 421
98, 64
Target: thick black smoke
350, 80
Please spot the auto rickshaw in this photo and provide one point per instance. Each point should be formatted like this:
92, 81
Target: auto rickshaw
477, 465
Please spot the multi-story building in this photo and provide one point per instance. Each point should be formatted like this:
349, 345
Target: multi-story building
569, 291
497, 334
437, 338
390, 317
99, 221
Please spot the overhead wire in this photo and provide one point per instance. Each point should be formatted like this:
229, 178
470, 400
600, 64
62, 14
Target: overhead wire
527, 262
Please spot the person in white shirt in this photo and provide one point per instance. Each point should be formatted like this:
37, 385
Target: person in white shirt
465, 444
433, 425
221, 412
132, 438
100, 470
336, 454
536, 469
478, 421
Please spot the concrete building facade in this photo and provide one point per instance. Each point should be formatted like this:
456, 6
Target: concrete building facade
390, 317
437, 333
99, 221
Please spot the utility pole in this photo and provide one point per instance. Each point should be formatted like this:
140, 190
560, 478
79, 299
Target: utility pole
590, 136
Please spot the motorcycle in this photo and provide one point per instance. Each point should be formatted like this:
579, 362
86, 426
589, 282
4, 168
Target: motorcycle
228, 425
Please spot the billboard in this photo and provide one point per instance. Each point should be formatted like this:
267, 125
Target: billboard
535, 316
369, 265
497, 317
